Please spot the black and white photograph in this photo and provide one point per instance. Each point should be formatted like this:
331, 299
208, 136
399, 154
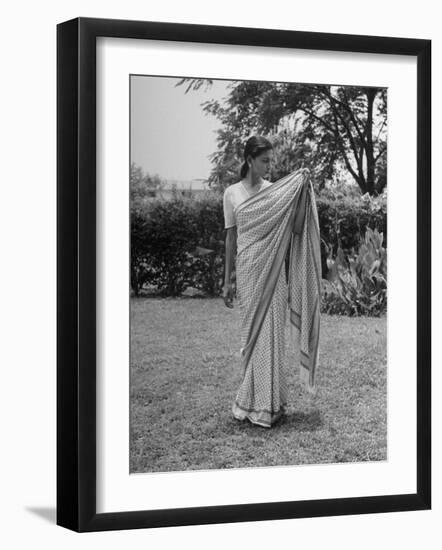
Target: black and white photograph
220, 293
258, 273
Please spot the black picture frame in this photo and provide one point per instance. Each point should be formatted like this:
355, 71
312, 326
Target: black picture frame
76, 273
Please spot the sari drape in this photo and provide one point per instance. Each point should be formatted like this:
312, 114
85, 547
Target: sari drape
265, 223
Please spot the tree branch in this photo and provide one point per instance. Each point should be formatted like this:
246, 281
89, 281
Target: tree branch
335, 132
384, 150
380, 129
346, 160
319, 119
353, 118
347, 108
358, 156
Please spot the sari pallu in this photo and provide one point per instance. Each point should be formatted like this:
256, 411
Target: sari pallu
265, 233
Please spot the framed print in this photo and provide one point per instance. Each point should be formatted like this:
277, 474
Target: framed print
226, 198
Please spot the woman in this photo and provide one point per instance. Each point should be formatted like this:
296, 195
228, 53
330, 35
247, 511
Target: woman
264, 220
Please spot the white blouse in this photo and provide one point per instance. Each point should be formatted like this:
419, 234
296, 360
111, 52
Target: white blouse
234, 195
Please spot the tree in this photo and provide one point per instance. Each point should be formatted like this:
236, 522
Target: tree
318, 126
143, 185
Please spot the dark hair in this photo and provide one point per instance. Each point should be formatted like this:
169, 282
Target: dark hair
254, 147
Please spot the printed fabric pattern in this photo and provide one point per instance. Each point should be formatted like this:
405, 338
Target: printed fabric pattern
265, 233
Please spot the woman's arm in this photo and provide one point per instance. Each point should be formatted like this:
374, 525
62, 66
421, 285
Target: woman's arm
230, 247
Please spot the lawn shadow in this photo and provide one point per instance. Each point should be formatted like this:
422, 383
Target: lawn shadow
297, 421
301, 421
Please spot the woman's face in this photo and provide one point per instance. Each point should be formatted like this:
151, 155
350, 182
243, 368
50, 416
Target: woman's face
261, 164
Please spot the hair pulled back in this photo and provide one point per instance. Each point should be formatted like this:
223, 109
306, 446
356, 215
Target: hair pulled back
255, 145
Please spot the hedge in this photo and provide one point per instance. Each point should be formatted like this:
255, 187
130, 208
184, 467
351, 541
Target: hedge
179, 243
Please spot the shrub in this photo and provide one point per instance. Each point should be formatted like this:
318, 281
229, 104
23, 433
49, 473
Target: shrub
162, 233
343, 220
357, 285
179, 242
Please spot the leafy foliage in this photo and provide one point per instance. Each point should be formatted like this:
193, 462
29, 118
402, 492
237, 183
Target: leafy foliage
179, 243
319, 126
343, 218
143, 185
357, 285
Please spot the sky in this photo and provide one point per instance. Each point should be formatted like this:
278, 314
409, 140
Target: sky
170, 133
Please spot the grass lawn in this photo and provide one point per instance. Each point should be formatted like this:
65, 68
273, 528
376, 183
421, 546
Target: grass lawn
185, 372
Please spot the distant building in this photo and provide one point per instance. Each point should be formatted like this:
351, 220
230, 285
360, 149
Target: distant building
196, 186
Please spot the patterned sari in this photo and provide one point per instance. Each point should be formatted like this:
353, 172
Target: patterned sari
265, 233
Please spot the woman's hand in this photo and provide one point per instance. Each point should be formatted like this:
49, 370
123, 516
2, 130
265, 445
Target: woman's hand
228, 295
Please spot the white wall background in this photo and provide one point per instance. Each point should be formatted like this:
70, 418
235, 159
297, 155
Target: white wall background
28, 276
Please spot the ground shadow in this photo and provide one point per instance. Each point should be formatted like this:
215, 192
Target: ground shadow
302, 421
297, 421
49, 514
